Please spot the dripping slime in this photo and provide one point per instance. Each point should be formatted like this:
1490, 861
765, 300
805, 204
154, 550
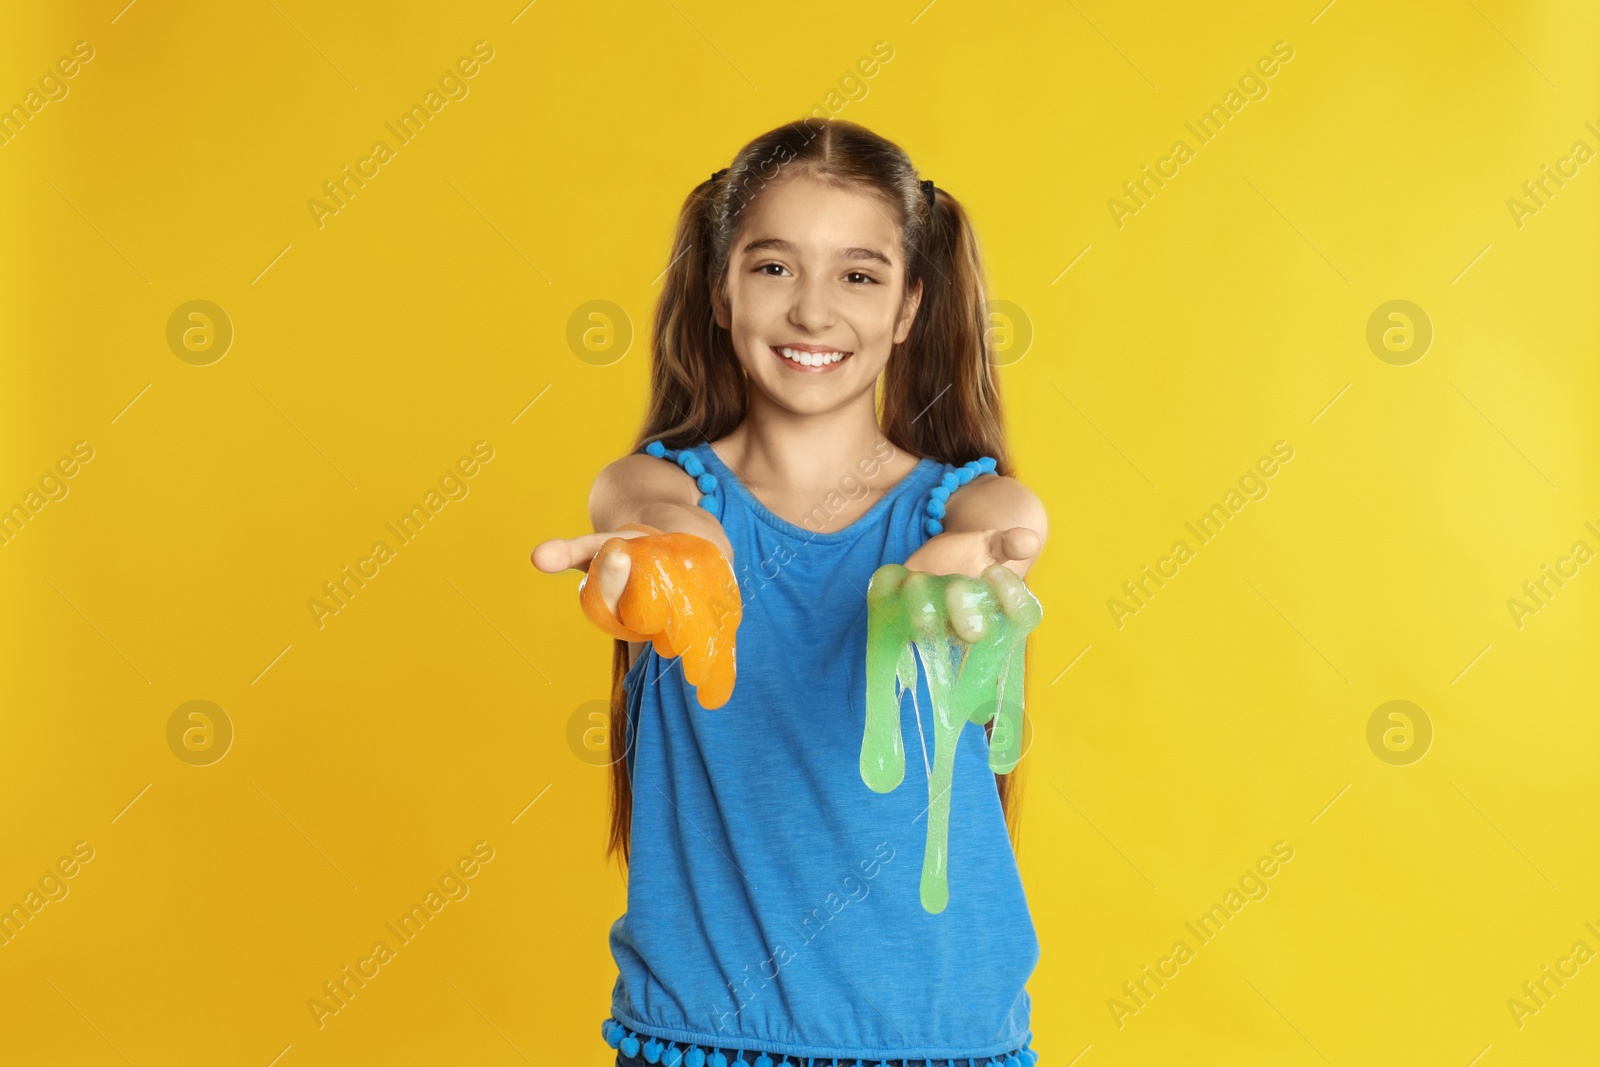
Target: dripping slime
969, 635
681, 596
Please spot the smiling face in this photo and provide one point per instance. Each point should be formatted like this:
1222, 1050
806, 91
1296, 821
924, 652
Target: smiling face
815, 294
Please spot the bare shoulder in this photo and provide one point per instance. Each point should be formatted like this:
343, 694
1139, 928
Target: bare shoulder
625, 485
995, 502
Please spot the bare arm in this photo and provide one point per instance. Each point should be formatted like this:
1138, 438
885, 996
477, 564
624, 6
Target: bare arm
999, 506
642, 488
637, 488
992, 519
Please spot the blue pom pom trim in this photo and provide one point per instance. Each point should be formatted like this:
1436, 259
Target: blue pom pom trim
704, 479
668, 1054
954, 478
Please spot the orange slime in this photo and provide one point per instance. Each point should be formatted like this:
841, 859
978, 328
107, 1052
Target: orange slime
682, 597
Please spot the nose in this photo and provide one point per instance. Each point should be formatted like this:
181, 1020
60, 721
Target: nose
812, 310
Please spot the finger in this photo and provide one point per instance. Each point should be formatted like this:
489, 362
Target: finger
1017, 601
922, 613
964, 602
605, 612
613, 569
1008, 588
886, 582
563, 553
1019, 542
559, 554
551, 556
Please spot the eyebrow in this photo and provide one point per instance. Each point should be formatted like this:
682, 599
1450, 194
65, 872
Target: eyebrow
778, 244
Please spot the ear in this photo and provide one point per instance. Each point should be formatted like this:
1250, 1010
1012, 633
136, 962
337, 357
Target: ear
908, 312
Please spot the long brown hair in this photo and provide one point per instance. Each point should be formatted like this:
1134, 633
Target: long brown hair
939, 394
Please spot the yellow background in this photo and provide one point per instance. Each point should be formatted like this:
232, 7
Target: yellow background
1229, 313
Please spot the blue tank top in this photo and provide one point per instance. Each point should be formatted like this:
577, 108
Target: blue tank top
773, 898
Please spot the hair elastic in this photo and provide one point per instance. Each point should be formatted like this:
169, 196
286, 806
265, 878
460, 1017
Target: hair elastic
716, 175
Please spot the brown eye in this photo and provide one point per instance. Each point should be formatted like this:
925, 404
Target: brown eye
863, 277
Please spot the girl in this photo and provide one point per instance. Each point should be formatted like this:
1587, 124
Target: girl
773, 908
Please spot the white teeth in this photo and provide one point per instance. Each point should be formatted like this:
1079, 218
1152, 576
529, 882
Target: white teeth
811, 359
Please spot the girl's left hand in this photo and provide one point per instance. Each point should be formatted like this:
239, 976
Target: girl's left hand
971, 552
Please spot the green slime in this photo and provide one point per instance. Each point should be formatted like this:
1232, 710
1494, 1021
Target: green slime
969, 634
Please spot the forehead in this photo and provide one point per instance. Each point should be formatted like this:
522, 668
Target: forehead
819, 219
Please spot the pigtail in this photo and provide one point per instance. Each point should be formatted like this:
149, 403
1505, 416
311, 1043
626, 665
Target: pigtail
697, 388
617, 839
940, 393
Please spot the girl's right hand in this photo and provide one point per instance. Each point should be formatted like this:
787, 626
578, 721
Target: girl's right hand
683, 597
559, 554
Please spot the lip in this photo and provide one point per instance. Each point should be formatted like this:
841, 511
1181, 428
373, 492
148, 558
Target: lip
797, 368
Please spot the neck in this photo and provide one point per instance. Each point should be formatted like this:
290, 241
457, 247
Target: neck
811, 452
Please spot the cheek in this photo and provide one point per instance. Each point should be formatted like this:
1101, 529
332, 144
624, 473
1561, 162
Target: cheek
751, 305
875, 322
756, 311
